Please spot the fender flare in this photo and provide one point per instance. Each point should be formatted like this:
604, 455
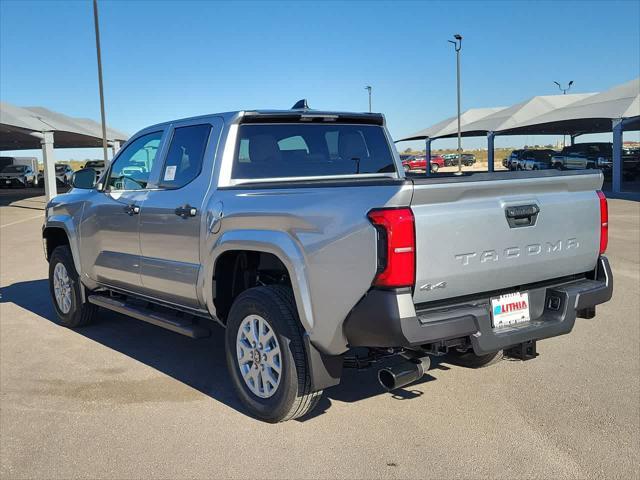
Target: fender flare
65, 223
278, 243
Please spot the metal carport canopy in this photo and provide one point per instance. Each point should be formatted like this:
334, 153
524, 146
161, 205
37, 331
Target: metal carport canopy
514, 116
17, 124
593, 114
614, 110
451, 124
26, 128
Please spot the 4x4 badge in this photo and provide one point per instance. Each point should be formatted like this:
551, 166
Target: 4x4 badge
432, 286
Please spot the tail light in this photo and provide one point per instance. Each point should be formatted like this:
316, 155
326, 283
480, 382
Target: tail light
396, 247
604, 222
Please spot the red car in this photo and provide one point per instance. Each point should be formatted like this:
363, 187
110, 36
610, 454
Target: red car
420, 163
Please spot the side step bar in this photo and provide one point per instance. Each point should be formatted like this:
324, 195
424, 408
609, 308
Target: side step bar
169, 322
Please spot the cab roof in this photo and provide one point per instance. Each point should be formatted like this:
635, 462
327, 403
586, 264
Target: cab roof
285, 116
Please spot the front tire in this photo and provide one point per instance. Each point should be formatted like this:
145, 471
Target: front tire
266, 356
64, 285
434, 168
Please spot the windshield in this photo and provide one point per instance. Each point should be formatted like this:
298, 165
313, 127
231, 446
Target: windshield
60, 168
308, 150
14, 169
94, 163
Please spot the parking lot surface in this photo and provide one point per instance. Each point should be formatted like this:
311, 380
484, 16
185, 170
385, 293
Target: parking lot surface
124, 399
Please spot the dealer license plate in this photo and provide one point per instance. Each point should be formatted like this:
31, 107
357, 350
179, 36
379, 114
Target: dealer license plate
510, 309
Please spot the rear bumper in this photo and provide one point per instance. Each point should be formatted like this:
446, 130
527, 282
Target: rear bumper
386, 318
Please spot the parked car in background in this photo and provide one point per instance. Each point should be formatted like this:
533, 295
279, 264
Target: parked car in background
536, 159
584, 155
64, 172
451, 159
516, 159
30, 161
468, 159
513, 160
17, 176
419, 162
631, 163
302, 236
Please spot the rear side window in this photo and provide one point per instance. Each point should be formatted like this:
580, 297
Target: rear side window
184, 159
309, 150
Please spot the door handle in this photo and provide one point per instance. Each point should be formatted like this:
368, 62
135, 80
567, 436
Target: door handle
186, 211
132, 209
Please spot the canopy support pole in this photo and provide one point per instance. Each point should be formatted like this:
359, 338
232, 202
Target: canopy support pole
427, 166
490, 151
115, 146
617, 155
49, 176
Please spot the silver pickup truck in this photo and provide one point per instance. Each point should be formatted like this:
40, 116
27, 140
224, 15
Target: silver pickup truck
584, 155
299, 232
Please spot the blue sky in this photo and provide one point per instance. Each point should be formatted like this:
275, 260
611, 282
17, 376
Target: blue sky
171, 59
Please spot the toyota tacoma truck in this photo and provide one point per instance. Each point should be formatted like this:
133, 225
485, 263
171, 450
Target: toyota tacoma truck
299, 232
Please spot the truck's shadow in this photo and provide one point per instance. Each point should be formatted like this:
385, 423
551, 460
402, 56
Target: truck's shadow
197, 363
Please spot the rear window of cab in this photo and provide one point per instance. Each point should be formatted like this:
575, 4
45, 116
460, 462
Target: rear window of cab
310, 150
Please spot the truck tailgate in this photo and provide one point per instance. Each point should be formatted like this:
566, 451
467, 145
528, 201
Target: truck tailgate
472, 238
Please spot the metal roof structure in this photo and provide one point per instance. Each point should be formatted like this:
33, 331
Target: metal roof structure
18, 125
507, 119
615, 110
450, 125
593, 114
573, 114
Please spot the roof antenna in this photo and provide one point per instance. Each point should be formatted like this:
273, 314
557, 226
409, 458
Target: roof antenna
301, 105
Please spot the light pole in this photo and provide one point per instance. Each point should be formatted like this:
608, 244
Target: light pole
458, 46
368, 87
564, 92
102, 114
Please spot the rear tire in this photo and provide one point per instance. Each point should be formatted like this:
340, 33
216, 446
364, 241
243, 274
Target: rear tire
471, 360
65, 288
292, 396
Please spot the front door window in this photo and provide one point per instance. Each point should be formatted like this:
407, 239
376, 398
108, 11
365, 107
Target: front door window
131, 170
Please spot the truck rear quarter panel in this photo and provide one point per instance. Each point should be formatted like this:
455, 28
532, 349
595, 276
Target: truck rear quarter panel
326, 230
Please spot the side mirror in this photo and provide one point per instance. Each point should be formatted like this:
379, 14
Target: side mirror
85, 178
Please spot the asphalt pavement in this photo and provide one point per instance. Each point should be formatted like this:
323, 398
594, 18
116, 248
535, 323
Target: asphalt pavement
124, 399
